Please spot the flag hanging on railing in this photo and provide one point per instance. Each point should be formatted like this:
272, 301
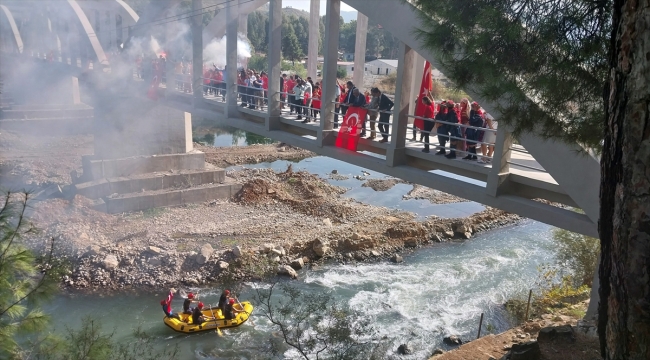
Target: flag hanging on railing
425, 87
350, 131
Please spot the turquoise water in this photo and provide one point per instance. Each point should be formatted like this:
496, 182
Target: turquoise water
438, 290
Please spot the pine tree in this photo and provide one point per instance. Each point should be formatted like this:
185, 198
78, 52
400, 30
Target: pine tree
290, 46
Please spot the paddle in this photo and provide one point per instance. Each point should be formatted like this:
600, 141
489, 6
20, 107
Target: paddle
215, 321
242, 308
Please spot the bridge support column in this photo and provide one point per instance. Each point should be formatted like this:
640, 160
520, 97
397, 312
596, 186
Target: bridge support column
498, 176
232, 27
416, 82
360, 50
112, 26
314, 36
396, 153
243, 24
275, 69
197, 52
331, 55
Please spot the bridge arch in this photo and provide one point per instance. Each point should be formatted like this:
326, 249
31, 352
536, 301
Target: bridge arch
15, 34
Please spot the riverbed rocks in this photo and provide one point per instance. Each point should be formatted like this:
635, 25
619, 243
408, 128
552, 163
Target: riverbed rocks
564, 333
204, 255
298, 263
237, 251
320, 247
452, 340
405, 349
396, 259
110, 262
287, 271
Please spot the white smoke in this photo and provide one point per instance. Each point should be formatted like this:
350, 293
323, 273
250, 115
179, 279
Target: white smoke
215, 51
155, 46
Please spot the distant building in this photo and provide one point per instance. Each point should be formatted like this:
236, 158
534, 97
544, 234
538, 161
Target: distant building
382, 66
349, 67
348, 57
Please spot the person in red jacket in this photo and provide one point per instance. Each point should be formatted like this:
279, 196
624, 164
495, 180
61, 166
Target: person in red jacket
167, 303
265, 86
427, 112
316, 100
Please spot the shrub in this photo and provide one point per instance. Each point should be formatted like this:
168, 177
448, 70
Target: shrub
258, 63
341, 73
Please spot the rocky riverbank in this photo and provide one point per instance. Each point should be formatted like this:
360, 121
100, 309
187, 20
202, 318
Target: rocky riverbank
278, 222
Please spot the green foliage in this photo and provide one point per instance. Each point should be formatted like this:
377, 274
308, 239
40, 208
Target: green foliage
544, 63
290, 45
315, 326
578, 254
341, 73
258, 62
298, 69
25, 279
90, 342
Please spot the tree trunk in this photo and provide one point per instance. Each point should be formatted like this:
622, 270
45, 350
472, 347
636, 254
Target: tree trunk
624, 309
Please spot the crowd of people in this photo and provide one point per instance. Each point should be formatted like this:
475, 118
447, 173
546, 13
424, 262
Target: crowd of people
303, 99
226, 305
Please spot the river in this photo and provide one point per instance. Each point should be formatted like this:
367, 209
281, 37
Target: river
438, 290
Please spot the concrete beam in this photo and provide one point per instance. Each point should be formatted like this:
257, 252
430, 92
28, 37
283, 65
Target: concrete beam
331, 54
274, 58
197, 50
397, 147
314, 36
360, 50
18, 40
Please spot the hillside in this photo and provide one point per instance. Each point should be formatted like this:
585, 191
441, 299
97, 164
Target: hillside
287, 11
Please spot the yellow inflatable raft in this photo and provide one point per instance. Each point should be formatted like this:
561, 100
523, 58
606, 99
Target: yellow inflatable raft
184, 324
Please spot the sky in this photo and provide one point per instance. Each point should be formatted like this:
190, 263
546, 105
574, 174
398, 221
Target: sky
304, 5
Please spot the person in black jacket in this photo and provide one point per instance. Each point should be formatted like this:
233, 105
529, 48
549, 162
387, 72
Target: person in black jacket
350, 89
453, 130
385, 105
476, 120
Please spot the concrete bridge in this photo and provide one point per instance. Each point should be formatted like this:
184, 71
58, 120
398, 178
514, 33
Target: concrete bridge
544, 180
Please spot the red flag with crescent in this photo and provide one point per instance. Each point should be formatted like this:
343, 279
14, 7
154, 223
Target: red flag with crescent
350, 131
425, 87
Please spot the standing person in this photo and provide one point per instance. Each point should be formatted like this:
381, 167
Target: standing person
265, 86
167, 303
223, 299
385, 105
489, 138
337, 103
291, 83
427, 112
372, 106
464, 113
258, 93
441, 128
452, 118
283, 90
241, 87
307, 98
188, 302
299, 95
346, 99
316, 100
472, 134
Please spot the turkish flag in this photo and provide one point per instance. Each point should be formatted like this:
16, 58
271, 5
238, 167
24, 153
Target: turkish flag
348, 137
425, 87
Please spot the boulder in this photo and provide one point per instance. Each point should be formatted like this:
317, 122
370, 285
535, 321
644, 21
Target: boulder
356, 236
436, 237
275, 259
404, 349
297, 263
449, 234
396, 258
335, 171
362, 243
327, 222
204, 254
452, 340
406, 230
275, 252
222, 265
110, 262
237, 251
305, 260
562, 333
288, 271
375, 253
93, 250
461, 227
320, 247
438, 351
525, 351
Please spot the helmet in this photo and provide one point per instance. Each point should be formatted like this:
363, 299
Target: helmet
163, 302
227, 292
190, 296
232, 301
200, 305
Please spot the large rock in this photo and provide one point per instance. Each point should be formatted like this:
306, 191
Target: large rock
204, 254
461, 227
396, 258
562, 333
237, 251
411, 242
288, 271
404, 349
438, 351
275, 252
297, 263
320, 247
362, 243
525, 351
266, 248
452, 340
110, 262
406, 230
153, 250
222, 265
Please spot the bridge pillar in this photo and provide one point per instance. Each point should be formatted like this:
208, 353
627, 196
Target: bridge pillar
232, 16
396, 153
275, 68
331, 55
498, 176
360, 50
314, 36
197, 52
